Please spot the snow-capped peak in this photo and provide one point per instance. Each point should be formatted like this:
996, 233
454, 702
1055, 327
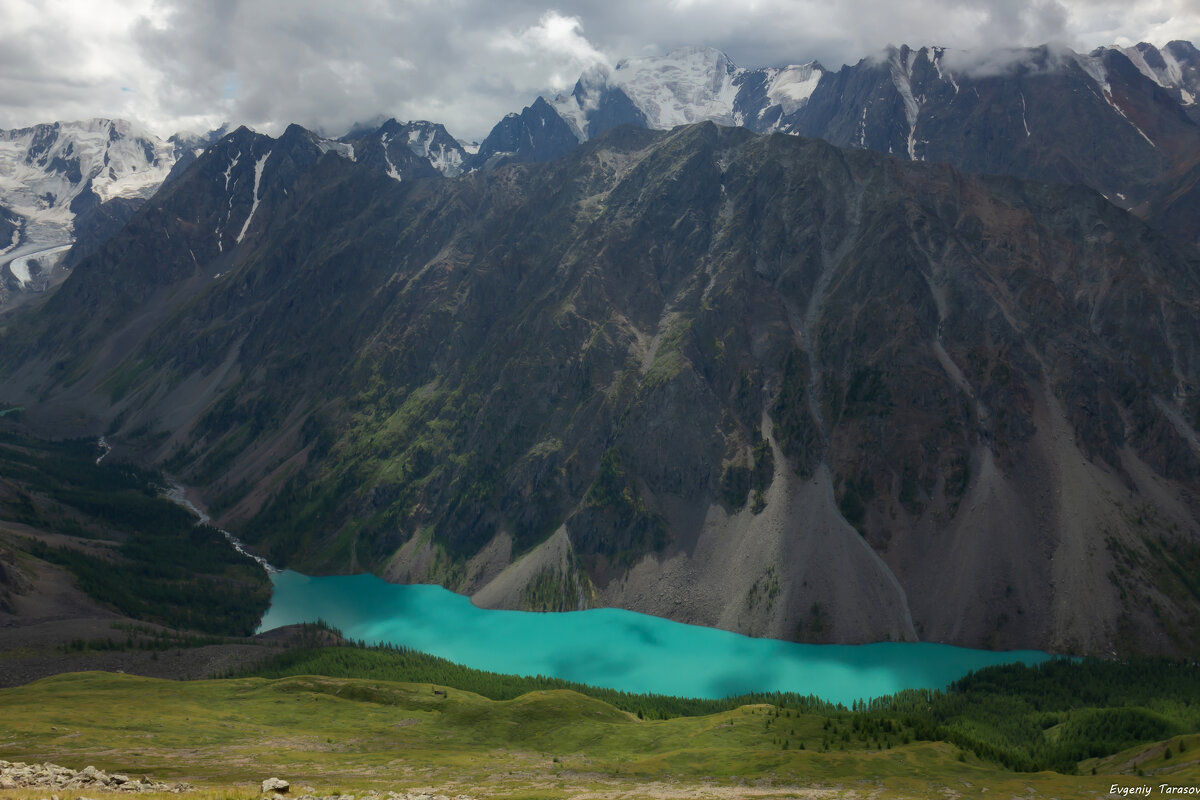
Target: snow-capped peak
575, 107
431, 141
44, 169
689, 84
428, 141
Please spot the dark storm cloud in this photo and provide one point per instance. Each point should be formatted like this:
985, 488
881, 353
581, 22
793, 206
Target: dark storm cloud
179, 63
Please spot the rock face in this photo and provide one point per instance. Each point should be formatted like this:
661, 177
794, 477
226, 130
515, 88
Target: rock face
756, 382
19, 775
537, 134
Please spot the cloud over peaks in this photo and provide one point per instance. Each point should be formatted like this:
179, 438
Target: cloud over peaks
465, 63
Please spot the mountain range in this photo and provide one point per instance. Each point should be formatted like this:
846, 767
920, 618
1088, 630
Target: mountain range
1122, 121
71, 185
1012, 112
902, 351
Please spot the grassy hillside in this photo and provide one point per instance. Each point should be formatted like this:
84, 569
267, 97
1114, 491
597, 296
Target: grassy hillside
1050, 716
353, 735
390, 663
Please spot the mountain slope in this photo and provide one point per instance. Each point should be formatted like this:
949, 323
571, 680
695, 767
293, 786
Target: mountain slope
755, 382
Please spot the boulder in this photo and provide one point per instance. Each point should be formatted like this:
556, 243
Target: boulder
275, 785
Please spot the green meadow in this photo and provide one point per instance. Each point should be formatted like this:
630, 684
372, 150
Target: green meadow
353, 735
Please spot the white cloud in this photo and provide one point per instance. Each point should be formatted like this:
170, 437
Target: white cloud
1124, 23
550, 53
179, 63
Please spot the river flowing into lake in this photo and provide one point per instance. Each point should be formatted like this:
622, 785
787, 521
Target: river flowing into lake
177, 493
614, 648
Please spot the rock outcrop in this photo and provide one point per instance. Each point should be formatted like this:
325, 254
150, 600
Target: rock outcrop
19, 775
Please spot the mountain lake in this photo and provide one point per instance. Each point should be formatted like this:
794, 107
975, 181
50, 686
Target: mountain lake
615, 648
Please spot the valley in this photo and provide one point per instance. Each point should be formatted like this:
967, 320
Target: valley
387, 719
594, 373
703, 431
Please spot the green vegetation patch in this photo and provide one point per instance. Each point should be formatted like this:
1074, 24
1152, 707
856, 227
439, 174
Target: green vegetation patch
1051, 716
1055, 714
342, 734
191, 580
155, 563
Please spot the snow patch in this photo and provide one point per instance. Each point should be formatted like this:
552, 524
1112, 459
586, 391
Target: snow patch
258, 171
16, 240
585, 98
229, 169
901, 69
572, 112
1170, 76
692, 84
687, 85
422, 140
791, 87
342, 149
1094, 67
938, 53
19, 267
105, 449
391, 168
229, 206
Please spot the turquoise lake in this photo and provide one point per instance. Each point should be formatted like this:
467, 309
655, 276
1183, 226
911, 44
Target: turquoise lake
614, 648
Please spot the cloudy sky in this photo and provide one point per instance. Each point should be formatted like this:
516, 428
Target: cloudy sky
191, 64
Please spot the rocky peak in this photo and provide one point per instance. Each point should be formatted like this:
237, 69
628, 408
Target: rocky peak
410, 150
538, 133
